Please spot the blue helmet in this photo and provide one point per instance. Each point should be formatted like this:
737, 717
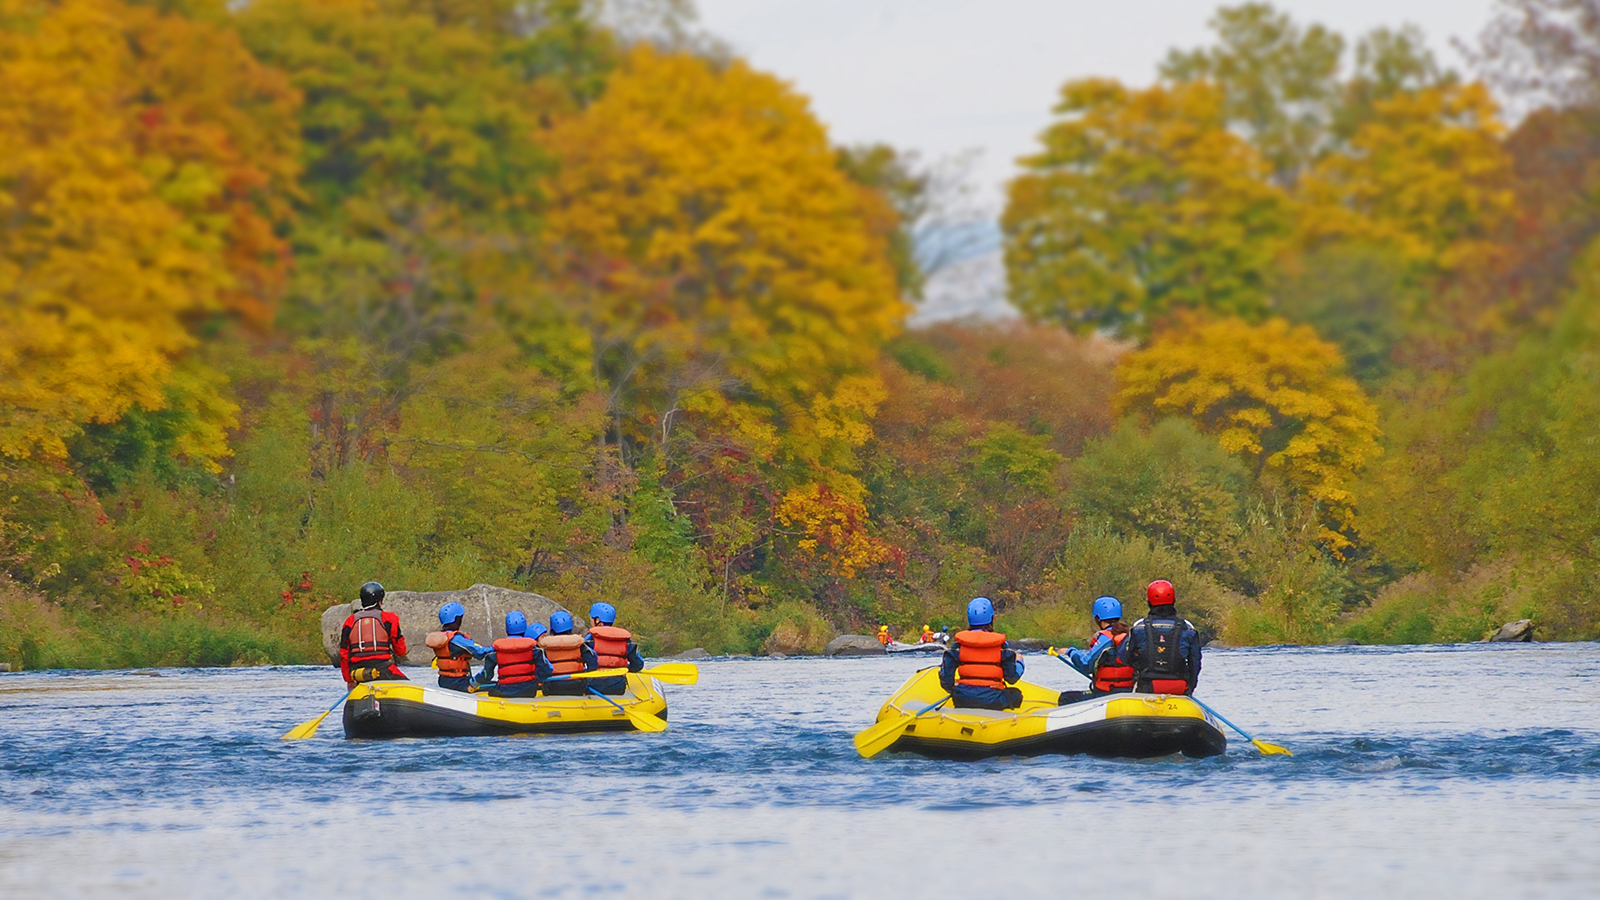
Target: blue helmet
450, 612
605, 612
1107, 608
980, 612
537, 630
561, 622
516, 624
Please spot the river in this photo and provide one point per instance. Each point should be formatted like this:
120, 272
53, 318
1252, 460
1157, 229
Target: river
1465, 771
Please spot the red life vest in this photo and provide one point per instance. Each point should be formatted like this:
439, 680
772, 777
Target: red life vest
611, 646
369, 637
1110, 673
978, 655
565, 652
453, 662
514, 659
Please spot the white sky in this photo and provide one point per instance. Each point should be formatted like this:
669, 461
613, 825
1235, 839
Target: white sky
943, 76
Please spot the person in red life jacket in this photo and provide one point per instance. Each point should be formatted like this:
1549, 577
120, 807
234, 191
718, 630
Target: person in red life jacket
370, 644
613, 648
1164, 648
568, 654
452, 650
1105, 661
486, 677
519, 666
978, 665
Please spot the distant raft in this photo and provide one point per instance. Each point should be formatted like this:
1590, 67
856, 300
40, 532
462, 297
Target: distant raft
1118, 725
411, 709
930, 647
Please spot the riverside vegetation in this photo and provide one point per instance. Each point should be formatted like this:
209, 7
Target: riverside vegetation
564, 296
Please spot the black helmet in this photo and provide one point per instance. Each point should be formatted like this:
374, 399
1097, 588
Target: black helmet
371, 594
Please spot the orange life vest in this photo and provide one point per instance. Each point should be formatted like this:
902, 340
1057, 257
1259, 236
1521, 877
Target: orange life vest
513, 657
453, 663
611, 646
883, 638
564, 651
927, 638
978, 655
1110, 672
369, 637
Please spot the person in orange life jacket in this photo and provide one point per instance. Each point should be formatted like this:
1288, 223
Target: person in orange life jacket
1163, 648
519, 666
486, 677
978, 665
1105, 661
370, 644
613, 648
453, 650
883, 635
568, 654
927, 636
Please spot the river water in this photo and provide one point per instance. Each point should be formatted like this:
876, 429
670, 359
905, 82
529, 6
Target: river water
1467, 771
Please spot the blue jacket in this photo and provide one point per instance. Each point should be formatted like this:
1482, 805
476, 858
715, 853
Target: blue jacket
1010, 664
1188, 649
1084, 660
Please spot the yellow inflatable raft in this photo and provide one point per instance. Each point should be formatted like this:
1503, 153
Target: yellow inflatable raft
1117, 725
411, 709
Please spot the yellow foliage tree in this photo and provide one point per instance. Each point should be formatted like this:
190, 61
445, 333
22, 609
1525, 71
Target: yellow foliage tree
1426, 174
135, 163
734, 278
1273, 393
1141, 202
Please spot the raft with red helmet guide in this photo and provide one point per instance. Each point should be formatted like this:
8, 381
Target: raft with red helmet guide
395, 709
1136, 726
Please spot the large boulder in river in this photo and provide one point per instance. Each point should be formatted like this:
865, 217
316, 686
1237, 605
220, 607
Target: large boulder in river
854, 645
1520, 631
485, 621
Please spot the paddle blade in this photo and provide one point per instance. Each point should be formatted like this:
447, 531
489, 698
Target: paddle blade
305, 729
1271, 749
880, 737
644, 721
674, 673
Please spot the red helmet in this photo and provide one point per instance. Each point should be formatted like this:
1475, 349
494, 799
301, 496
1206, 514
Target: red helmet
1160, 593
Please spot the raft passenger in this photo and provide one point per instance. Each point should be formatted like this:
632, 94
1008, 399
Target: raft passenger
1163, 648
453, 649
979, 665
370, 643
927, 636
613, 648
883, 635
1105, 661
568, 654
519, 666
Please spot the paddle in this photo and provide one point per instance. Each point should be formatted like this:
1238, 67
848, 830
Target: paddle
1265, 748
307, 729
640, 719
671, 673
880, 737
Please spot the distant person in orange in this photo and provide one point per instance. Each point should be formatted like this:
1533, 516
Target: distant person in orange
370, 644
927, 636
883, 635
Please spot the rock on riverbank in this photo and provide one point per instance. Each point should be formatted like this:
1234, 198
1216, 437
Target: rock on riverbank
1520, 631
854, 645
485, 620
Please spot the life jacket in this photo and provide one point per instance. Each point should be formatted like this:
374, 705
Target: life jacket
883, 638
513, 658
369, 637
978, 656
453, 661
564, 651
611, 645
1111, 672
927, 638
1161, 659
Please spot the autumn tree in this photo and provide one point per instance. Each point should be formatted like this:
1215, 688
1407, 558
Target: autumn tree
735, 282
1274, 394
1142, 202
